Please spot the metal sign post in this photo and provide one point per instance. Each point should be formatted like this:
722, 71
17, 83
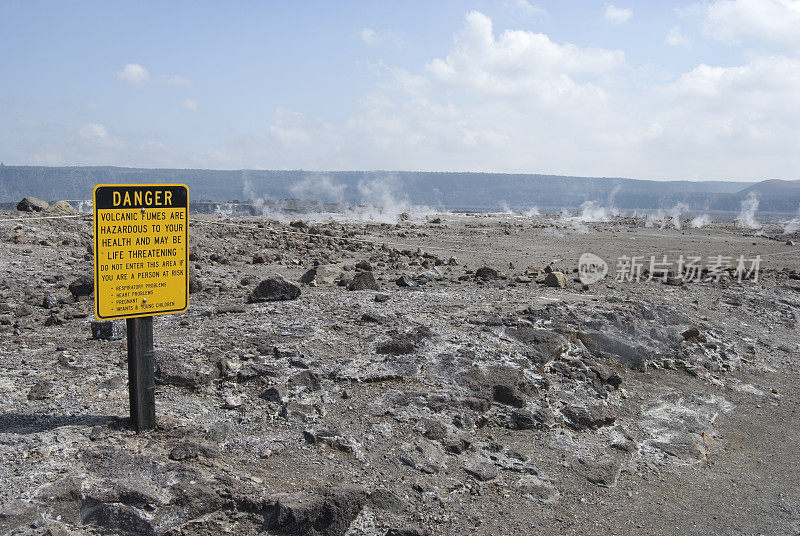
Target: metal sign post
141, 269
141, 373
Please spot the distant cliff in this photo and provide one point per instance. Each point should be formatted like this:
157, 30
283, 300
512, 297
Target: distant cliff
470, 191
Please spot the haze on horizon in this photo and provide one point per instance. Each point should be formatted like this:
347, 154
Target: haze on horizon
667, 90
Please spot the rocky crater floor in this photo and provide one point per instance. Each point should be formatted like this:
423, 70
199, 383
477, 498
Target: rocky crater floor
444, 376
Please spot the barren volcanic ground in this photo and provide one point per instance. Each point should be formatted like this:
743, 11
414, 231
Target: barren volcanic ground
398, 391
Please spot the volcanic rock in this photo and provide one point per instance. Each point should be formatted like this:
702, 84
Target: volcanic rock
61, 208
487, 272
588, 418
556, 279
324, 512
325, 274
32, 204
83, 287
363, 281
273, 289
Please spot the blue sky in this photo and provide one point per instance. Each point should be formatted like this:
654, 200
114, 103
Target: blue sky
662, 90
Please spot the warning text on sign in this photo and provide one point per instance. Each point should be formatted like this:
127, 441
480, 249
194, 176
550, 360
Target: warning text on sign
141, 250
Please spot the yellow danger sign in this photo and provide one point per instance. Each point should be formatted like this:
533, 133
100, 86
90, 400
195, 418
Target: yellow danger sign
141, 250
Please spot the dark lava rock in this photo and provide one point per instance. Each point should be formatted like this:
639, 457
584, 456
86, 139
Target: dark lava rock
404, 343
381, 297
522, 419
405, 281
616, 347
49, 302
693, 335
606, 375
32, 204
274, 288
482, 470
53, 320
397, 346
188, 450
253, 370
40, 390
592, 417
325, 512
107, 330
508, 394
308, 379
195, 285
180, 372
120, 518
363, 281
82, 287
364, 265
603, 472
273, 394
260, 258
486, 272
544, 345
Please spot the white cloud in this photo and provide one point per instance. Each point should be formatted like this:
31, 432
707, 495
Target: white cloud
520, 63
518, 101
381, 37
93, 131
617, 15
676, 38
189, 104
526, 8
179, 80
775, 22
134, 73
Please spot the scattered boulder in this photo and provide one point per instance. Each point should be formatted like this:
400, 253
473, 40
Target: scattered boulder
481, 469
537, 489
398, 345
275, 393
311, 380
195, 284
405, 281
364, 265
556, 280
363, 281
693, 335
61, 208
487, 272
324, 274
32, 204
434, 274
182, 372
323, 512
404, 343
81, 288
273, 289
588, 418
119, 518
40, 390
